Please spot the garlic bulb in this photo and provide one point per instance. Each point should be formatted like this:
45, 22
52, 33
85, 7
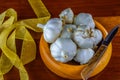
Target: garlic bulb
84, 19
67, 15
67, 31
88, 38
52, 29
84, 55
63, 49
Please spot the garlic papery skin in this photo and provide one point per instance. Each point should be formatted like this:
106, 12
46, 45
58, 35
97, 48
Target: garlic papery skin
68, 30
63, 49
84, 55
52, 29
84, 19
67, 15
88, 38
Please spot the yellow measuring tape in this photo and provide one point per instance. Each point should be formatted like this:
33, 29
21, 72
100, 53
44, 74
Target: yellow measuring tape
10, 30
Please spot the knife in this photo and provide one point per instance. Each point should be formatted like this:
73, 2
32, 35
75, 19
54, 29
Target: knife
86, 72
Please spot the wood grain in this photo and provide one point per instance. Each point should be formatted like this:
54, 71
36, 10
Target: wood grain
98, 8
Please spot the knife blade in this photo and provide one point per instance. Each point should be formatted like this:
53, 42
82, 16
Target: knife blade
86, 72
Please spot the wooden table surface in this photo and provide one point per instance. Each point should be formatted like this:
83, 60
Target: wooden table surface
98, 8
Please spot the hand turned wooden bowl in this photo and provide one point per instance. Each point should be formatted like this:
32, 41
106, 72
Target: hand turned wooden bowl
68, 70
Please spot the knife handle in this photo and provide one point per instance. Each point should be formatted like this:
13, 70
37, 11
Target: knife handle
85, 73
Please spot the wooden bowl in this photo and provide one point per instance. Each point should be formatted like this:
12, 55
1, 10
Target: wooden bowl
72, 71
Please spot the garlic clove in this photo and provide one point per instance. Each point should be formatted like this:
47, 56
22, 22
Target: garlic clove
54, 23
50, 35
84, 19
67, 31
87, 38
82, 41
97, 36
52, 29
84, 55
63, 49
67, 15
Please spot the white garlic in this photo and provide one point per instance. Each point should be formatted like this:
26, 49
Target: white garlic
63, 49
84, 55
88, 38
84, 19
67, 31
67, 15
52, 29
